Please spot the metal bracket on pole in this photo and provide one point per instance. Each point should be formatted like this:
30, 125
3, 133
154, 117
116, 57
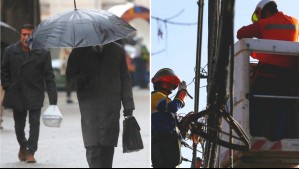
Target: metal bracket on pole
272, 97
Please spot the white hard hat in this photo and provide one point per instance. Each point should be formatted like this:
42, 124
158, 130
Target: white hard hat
256, 14
263, 3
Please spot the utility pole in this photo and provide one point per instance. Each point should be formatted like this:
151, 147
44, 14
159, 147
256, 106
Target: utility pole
197, 73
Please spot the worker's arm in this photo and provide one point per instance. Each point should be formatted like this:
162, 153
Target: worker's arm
250, 31
167, 105
161, 103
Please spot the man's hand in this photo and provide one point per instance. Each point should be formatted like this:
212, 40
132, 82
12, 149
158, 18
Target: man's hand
128, 113
183, 86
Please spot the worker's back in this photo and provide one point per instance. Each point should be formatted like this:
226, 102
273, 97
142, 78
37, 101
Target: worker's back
278, 27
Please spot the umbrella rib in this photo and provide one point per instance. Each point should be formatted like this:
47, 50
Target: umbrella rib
60, 39
120, 29
61, 15
96, 26
65, 29
84, 28
73, 45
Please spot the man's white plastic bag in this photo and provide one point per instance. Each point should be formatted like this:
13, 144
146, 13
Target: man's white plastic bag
52, 117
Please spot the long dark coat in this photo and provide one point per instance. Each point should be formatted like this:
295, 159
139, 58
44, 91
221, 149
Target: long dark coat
103, 83
24, 79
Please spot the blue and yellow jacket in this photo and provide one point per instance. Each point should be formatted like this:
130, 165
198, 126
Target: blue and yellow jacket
164, 112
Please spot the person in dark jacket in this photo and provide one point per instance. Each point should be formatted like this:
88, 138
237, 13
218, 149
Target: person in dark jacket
24, 73
3, 46
103, 82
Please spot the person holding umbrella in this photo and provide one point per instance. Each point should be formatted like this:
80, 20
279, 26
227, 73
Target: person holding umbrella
97, 67
103, 83
24, 73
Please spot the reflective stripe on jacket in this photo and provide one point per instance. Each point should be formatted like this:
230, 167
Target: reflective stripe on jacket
277, 27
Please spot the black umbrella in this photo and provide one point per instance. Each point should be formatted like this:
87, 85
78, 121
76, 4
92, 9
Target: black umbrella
9, 35
79, 28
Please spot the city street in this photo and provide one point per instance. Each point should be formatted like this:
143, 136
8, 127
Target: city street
63, 147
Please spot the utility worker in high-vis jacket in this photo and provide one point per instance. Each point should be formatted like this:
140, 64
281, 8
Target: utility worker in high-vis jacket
166, 146
274, 75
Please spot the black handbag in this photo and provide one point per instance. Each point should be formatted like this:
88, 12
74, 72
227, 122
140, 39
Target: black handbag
132, 141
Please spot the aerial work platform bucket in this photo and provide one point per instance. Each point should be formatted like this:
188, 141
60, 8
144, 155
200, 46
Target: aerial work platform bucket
262, 151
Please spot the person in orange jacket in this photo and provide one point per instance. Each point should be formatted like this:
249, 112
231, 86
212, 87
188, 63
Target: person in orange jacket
274, 75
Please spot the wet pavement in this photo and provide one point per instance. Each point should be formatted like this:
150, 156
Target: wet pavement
63, 147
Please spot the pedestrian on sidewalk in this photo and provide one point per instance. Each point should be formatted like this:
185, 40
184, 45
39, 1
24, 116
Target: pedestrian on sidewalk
24, 73
103, 83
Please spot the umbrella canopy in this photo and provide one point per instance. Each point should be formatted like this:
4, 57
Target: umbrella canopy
9, 35
79, 28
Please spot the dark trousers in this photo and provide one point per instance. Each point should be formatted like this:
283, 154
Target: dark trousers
20, 123
68, 90
100, 156
271, 118
166, 150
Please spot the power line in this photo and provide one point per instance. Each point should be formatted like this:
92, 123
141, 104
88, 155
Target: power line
177, 15
167, 21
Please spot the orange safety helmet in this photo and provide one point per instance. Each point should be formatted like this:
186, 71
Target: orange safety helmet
166, 79
256, 16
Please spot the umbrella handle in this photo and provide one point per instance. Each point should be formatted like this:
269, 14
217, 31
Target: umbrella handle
75, 4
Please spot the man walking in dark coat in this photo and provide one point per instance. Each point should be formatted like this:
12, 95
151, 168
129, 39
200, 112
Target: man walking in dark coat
24, 73
103, 83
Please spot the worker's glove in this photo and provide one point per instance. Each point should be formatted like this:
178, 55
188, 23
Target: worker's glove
128, 113
183, 86
182, 93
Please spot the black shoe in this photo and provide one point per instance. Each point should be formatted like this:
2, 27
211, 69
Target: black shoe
69, 101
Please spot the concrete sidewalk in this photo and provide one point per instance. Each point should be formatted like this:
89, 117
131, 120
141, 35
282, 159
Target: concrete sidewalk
63, 147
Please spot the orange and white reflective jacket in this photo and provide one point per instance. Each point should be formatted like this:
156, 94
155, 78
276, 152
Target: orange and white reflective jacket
277, 27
